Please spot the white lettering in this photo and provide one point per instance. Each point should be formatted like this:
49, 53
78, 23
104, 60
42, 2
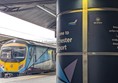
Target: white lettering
62, 47
65, 40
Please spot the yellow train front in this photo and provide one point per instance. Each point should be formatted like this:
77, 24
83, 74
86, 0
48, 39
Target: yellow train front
18, 57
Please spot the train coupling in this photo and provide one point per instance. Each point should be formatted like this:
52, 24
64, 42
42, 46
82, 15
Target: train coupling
8, 75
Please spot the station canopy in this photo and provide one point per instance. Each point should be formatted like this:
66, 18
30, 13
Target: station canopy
39, 12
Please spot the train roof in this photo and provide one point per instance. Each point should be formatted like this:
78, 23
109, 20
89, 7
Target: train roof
31, 43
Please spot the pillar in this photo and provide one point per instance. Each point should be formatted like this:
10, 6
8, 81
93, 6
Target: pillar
87, 41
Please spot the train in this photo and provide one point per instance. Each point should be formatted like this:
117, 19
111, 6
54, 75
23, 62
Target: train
19, 57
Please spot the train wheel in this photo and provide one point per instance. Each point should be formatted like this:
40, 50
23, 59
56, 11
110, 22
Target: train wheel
15, 75
46, 71
8, 75
1, 75
28, 73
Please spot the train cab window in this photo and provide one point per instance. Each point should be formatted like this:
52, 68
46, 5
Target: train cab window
6, 54
19, 53
13, 53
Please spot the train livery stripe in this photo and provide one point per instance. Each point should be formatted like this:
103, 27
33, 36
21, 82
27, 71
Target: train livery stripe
43, 58
14, 44
1, 64
24, 62
31, 58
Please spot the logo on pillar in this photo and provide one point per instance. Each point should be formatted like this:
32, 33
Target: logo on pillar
73, 22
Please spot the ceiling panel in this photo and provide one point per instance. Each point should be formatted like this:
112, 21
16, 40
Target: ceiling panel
25, 1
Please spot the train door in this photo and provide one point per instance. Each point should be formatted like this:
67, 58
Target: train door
33, 55
54, 55
53, 59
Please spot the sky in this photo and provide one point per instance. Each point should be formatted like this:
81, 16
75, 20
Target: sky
16, 27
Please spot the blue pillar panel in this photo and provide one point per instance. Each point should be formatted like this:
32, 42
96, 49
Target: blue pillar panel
101, 18
103, 69
69, 32
104, 26
103, 31
69, 69
103, 3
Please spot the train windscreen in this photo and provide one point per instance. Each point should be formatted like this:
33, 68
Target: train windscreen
13, 53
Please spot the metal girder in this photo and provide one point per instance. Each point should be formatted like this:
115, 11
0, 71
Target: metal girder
44, 9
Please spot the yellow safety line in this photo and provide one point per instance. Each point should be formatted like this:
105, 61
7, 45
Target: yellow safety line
84, 36
22, 78
33, 77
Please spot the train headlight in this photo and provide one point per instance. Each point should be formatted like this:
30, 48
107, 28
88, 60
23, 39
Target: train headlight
21, 66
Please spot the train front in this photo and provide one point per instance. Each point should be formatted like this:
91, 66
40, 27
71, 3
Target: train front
12, 59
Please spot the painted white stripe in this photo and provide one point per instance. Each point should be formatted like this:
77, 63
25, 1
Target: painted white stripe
70, 53
103, 53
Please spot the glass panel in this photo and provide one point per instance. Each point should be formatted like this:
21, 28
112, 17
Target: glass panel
18, 53
6, 54
13, 53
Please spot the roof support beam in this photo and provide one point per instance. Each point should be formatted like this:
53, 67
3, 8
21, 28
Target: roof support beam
46, 10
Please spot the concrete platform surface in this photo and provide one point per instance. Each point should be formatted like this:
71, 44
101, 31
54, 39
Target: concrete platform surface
40, 78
